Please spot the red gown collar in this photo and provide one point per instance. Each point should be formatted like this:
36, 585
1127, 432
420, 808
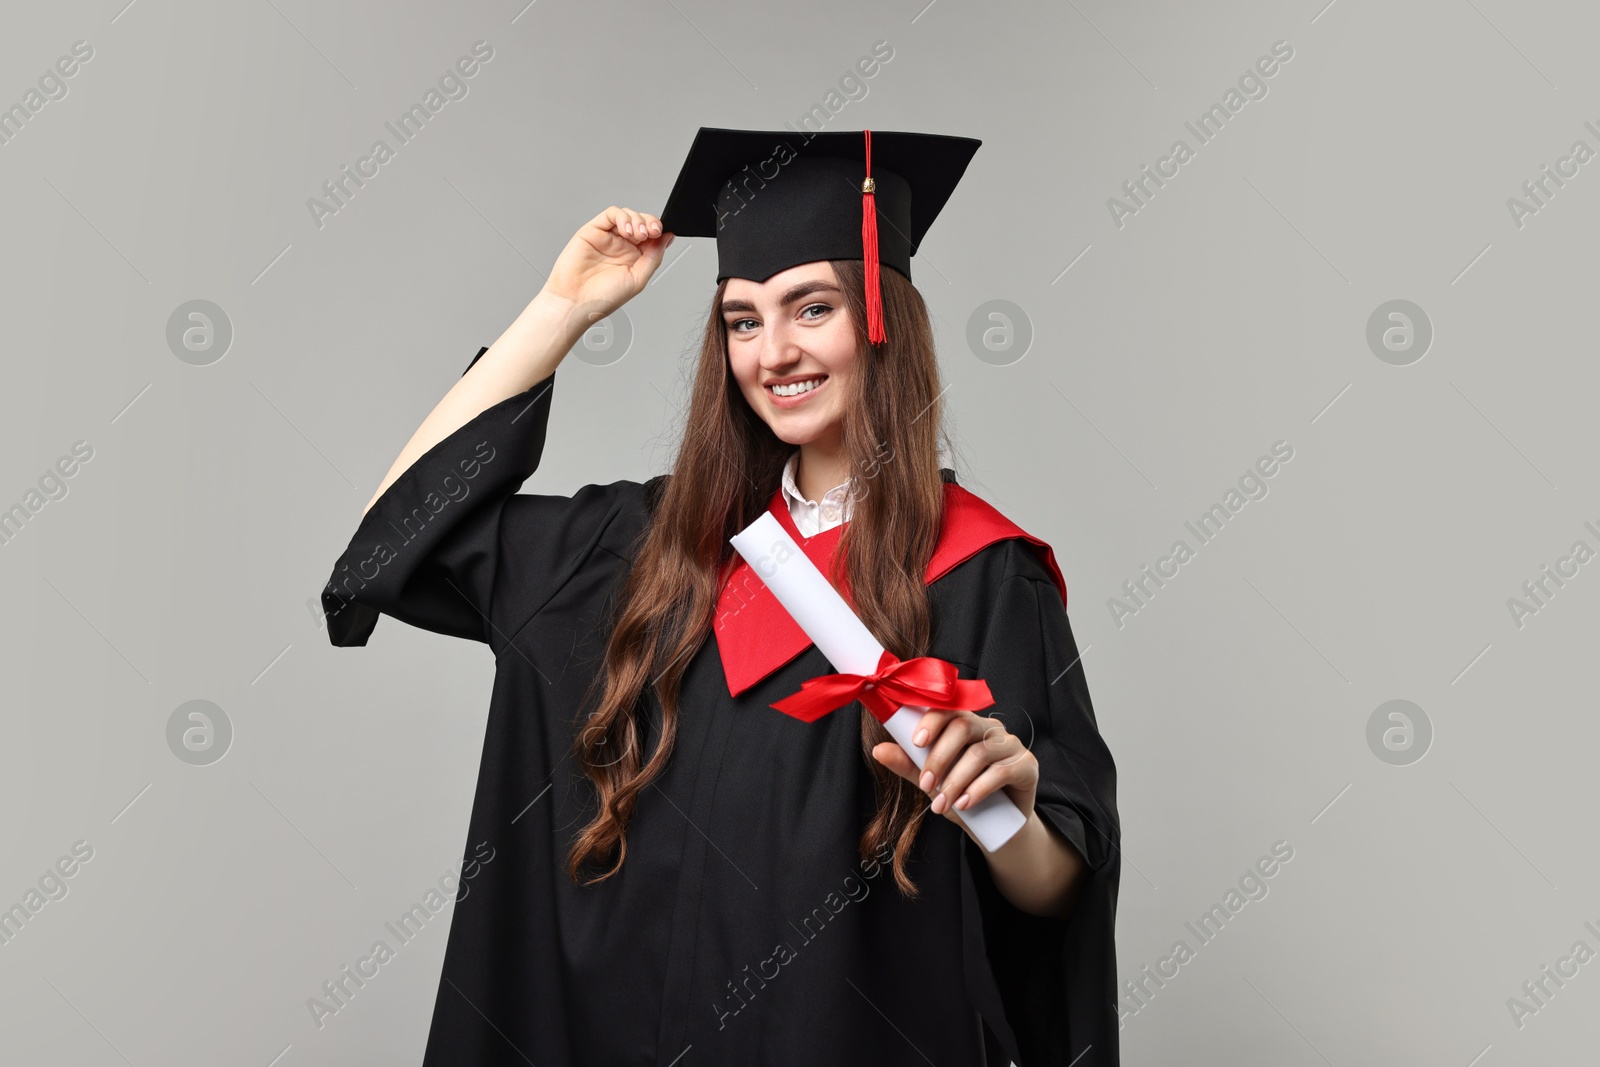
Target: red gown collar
756, 635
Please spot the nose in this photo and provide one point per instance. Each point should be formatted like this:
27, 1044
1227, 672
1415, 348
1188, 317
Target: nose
780, 347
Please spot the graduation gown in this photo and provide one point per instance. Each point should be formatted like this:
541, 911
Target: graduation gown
743, 927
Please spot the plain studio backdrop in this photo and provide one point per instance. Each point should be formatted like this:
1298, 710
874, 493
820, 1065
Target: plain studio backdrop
1371, 263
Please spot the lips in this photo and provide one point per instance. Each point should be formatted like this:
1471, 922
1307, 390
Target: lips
799, 398
793, 379
800, 379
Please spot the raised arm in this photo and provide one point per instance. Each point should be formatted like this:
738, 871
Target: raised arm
607, 262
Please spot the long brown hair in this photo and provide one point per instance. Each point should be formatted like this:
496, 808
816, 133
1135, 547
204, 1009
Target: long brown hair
727, 467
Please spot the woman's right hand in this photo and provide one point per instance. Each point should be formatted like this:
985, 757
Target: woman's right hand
608, 262
605, 265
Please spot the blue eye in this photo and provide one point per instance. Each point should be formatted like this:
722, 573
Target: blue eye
734, 326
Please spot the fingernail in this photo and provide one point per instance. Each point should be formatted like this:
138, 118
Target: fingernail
926, 780
938, 804
963, 800
921, 737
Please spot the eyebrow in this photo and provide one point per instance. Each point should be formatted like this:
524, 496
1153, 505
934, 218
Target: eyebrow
796, 292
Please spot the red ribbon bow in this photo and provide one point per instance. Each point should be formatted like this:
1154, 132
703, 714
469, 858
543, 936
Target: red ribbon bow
924, 682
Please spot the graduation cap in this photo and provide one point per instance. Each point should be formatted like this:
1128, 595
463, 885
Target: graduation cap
774, 199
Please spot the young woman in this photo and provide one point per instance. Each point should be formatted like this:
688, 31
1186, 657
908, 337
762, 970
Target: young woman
683, 874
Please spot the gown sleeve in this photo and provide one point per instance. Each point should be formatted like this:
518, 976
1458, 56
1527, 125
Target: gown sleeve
452, 547
1055, 978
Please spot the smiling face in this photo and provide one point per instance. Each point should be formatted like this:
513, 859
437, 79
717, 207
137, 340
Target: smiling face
794, 331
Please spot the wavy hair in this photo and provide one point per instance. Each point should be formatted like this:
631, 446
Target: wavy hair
728, 464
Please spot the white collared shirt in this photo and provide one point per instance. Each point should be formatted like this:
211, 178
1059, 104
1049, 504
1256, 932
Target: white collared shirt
811, 517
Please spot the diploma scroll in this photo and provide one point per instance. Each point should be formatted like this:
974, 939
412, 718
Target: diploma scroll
839, 634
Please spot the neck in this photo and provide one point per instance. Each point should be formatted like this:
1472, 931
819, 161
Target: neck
821, 466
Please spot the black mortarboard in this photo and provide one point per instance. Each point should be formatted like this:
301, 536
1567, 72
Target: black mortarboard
774, 199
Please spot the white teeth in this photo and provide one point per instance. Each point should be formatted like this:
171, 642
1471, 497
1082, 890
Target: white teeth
797, 388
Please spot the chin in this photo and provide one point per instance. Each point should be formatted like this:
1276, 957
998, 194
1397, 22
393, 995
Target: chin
793, 434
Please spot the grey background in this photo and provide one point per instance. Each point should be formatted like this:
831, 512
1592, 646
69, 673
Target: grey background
1229, 313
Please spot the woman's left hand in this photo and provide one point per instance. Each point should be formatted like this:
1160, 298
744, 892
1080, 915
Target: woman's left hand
970, 757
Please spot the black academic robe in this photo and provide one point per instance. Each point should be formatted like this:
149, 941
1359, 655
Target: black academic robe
743, 928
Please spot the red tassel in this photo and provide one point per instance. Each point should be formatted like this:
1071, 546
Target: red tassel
869, 252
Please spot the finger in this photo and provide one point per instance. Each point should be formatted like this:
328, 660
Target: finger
894, 757
972, 762
1003, 748
619, 220
651, 254
658, 243
957, 734
1012, 771
613, 221
929, 726
636, 226
995, 733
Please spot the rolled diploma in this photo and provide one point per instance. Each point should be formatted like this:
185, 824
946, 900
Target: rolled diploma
841, 636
